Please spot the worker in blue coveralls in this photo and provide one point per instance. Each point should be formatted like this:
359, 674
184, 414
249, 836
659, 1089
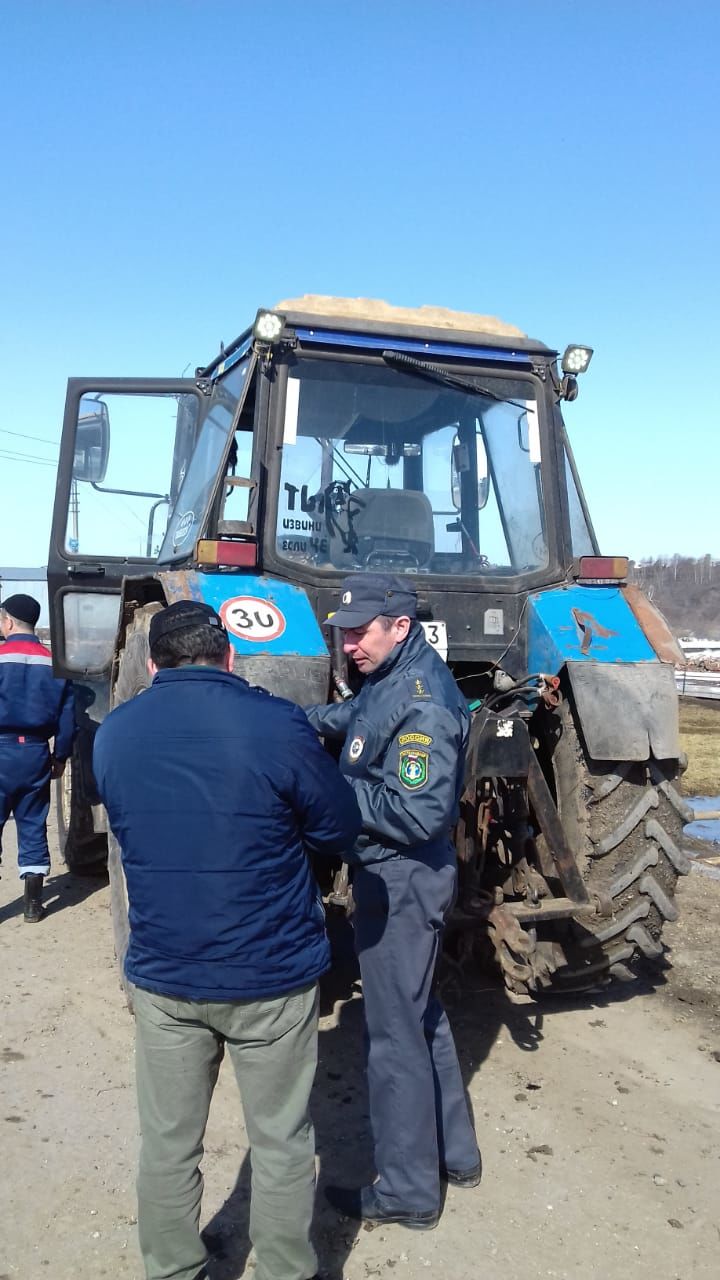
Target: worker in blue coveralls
404, 738
216, 791
34, 707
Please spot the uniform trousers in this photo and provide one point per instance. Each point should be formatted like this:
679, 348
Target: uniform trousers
25, 792
418, 1109
179, 1047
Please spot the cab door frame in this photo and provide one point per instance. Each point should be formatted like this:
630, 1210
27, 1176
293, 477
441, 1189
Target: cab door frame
69, 572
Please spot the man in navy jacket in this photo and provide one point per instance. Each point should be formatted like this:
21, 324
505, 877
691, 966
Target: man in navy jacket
216, 792
34, 707
403, 753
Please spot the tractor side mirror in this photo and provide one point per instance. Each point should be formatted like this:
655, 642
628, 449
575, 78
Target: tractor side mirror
460, 463
92, 441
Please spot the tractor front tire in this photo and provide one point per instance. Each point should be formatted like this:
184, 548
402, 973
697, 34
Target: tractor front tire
84, 851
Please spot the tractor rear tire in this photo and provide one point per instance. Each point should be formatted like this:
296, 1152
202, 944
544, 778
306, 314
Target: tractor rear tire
624, 823
132, 679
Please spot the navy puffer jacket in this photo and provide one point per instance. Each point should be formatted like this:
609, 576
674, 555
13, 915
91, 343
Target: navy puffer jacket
215, 792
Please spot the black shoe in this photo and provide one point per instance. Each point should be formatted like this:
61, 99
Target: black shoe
363, 1204
469, 1178
464, 1177
33, 908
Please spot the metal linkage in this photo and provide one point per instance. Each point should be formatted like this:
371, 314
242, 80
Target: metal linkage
552, 828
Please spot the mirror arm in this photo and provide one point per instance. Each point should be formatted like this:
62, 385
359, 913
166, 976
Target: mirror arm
151, 524
130, 493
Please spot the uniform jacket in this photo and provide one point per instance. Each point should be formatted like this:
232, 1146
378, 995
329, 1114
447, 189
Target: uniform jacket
216, 791
404, 741
33, 703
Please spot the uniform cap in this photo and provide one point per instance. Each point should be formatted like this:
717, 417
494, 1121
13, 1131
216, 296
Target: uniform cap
22, 608
364, 596
180, 617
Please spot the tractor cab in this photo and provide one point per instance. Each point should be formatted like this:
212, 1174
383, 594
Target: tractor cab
333, 437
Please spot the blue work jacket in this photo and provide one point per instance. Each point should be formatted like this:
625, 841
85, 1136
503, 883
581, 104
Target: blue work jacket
404, 737
216, 792
33, 703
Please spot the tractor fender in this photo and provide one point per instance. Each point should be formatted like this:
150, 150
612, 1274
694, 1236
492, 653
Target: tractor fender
625, 696
626, 712
276, 639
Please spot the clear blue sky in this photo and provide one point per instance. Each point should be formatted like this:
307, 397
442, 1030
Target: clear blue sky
171, 165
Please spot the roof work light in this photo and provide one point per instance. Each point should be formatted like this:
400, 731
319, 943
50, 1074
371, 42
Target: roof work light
576, 359
268, 326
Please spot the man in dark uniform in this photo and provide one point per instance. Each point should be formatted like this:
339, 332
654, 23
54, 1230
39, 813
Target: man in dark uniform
34, 707
404, 741
216, 791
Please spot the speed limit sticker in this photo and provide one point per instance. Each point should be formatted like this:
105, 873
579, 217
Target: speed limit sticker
251, 618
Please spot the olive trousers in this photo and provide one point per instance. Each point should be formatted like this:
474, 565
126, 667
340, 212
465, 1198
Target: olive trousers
179, 1047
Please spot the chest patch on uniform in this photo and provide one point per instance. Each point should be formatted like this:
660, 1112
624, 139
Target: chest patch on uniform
420, 739
413, 768
355, 749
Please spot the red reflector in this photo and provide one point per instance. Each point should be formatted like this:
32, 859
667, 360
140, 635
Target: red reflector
610, 568
239, 555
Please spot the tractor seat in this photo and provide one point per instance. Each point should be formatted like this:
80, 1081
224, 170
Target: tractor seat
393, 527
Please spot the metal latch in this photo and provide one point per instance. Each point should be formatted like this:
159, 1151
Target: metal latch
81, 570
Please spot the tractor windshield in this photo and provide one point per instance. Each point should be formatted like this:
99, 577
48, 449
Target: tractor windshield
382, 469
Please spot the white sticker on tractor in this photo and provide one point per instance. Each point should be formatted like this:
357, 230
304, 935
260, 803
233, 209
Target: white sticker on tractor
436, 635
252, 618
292, 406
504, 729
493, 624
183, 529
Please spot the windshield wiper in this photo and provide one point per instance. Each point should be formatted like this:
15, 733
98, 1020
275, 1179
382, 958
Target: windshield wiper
435, 373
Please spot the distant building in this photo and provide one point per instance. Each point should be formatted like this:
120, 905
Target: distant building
694, 648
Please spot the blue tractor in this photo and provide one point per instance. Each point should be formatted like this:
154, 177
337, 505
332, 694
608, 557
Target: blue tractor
344, 435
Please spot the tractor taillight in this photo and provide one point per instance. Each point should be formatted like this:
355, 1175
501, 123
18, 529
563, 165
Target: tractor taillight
222, 551
603, 568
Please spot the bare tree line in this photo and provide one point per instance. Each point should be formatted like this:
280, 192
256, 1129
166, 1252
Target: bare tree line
686, 589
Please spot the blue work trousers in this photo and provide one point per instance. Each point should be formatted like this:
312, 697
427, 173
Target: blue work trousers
25, 792
418, 1109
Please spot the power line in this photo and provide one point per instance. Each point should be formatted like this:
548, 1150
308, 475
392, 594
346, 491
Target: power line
20, 453
22, 435
22, 457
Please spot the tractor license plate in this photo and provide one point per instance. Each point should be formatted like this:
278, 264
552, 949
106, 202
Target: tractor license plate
436, 635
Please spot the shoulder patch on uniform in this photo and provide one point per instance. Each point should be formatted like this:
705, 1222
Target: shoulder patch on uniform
420, 739
419, 688
413, 768
355, 749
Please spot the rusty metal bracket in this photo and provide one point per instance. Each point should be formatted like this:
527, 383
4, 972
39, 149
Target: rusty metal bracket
552, 828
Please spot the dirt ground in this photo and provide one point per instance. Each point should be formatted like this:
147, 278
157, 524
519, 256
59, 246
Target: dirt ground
597, 1119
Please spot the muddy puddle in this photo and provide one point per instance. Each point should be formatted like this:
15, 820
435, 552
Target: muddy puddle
707, 830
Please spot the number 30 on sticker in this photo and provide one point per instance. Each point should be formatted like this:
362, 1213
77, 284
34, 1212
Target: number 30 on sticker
251, 618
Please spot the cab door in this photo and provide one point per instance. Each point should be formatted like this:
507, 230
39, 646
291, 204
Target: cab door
124, 450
